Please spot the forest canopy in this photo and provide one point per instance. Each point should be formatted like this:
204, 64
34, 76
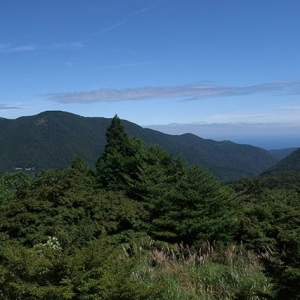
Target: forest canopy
141, 225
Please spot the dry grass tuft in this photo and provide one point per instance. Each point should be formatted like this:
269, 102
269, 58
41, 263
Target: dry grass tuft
206, 272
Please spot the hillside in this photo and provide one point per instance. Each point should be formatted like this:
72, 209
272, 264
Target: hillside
284, 174
51, 140
289, 163
281, 153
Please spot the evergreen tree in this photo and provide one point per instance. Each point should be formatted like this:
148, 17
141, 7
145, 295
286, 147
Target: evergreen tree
184, 203
116, 139
79, 165
119, 163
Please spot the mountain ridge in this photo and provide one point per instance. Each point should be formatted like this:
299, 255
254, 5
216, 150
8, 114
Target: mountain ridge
51, 139
288, 163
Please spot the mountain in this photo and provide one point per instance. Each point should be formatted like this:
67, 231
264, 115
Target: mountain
284, 174
51, 139
281, 153
289, 163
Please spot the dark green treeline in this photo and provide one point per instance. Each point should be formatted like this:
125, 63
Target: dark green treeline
65, 234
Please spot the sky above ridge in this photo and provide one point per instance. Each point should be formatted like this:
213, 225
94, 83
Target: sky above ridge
219, 69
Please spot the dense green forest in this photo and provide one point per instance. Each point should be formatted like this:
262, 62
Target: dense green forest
51, 139
144, 224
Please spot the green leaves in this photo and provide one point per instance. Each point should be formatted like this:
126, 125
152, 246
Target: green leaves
120, 162
61, 231
193, 208
66, 205
11, 183
182, 203
97, 271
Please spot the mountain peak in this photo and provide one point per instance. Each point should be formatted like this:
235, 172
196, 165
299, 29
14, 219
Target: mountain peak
52, 139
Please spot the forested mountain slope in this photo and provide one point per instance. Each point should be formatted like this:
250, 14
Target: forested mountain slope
145, 225
284, 174
281, 153
51, 140
289, 163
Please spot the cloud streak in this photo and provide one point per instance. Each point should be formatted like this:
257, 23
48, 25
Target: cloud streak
63, 46
6, 107
10, 48
27, 48
141, 11
129, 65
111, 27
179, 92
122, 22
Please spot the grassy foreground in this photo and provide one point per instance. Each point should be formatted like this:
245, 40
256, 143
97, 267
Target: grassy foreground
207, 272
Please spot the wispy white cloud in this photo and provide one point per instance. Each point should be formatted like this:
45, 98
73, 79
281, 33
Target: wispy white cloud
70, 45
10, 48
141, 11
129, 65
25, 48
6, 107
111, 27
179, 92
239, 117
125, 20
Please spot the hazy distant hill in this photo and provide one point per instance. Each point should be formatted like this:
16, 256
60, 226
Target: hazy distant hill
284, 174
289, 163
52, 139
281, 153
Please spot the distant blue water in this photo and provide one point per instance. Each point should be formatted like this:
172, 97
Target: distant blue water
267, 136
267, 142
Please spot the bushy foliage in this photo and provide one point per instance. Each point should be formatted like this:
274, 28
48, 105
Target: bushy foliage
79, 233
47, 271
186, 204
269, 223
65, 204
183, 203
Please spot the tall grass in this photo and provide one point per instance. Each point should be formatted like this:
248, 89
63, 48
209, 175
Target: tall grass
207, 272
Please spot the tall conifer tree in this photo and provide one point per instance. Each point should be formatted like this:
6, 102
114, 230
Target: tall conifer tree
118, 164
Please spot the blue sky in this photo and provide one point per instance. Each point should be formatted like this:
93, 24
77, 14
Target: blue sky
220, 69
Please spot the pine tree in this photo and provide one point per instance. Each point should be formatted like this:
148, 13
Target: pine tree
184, 203
79, 165
116, 137
117, 167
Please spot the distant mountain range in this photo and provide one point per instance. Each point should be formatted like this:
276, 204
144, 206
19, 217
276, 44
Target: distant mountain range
284, 174
289, 163
282, 153
52, 139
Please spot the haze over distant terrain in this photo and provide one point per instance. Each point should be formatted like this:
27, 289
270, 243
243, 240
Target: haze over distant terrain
267, 136
52, 139
219, 69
